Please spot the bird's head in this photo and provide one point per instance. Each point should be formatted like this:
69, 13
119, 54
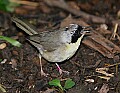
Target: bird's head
76, 31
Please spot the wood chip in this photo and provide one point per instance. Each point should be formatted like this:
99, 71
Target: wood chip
101, 44
3, 45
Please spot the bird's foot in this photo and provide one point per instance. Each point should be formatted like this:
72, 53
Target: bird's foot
63, 71
43, 73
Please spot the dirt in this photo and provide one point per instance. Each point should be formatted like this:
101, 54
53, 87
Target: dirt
21, 72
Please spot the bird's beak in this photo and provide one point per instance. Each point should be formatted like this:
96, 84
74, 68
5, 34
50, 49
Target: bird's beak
86, 30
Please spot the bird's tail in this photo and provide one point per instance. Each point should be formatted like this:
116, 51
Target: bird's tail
24, 26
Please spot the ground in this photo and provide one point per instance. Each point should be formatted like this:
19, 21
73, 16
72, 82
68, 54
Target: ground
20, 73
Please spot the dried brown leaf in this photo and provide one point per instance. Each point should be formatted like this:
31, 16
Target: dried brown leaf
70, 20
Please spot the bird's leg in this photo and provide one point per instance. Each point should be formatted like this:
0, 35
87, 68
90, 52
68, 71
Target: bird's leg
41, 69
60, 70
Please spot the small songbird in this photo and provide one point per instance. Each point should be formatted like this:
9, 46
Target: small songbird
54, 46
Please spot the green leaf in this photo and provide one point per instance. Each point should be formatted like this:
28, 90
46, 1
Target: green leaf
2, 88
11, 6
55, 82
69, 84
0, 59
7, 5
10, 40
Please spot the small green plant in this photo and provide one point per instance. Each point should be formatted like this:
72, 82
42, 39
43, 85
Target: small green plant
68, 84
8, 5
10, 40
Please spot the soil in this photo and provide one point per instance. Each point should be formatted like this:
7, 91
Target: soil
21, 72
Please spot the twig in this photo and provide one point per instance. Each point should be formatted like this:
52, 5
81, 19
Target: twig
61, 4
93, 66
113, 65
114, 33
90, 66
118, 37
25, 2
104, 89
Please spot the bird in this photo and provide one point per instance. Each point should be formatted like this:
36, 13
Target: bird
56, 45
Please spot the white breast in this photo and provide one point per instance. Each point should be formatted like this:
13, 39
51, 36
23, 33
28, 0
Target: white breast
63, 53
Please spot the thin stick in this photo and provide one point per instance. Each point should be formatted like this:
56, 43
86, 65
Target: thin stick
113, 65
115, 32
25, 2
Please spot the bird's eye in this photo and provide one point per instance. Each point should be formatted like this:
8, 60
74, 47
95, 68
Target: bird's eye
66, 28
